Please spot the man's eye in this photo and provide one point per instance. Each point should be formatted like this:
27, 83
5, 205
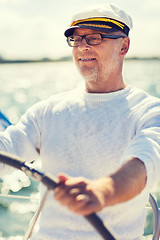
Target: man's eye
76, 40
93, 38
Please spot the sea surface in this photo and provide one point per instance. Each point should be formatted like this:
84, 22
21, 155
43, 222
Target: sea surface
22, 85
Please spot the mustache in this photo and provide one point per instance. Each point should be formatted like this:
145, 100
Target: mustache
86, 54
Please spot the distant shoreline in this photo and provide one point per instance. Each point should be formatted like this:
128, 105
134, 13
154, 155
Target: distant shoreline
3, 60
65, 59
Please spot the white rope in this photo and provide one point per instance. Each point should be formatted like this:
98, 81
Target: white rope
34, 219
18, 197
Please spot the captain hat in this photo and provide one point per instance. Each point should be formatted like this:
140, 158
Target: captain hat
103, 17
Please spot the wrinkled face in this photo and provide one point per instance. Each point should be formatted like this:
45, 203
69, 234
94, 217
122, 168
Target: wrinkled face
98, 62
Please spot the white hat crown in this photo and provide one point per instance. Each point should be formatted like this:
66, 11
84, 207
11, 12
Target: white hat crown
104, 10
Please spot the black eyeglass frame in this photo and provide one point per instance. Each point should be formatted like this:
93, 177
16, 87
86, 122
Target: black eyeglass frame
102, 36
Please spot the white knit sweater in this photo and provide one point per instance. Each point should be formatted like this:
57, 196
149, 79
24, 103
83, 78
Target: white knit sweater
90, 135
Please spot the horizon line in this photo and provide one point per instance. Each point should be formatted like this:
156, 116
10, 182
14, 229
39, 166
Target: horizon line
66, 58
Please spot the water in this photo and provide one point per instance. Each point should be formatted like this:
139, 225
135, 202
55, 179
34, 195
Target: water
22, 85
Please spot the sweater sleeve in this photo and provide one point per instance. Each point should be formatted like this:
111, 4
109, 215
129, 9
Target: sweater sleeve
145, 144
24, 138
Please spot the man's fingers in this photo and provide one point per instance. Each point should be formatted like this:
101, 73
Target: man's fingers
62, 178
87, 208
78, 202
60, 192
66, 195
77, 195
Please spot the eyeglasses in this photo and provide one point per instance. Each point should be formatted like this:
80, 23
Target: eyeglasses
91, 39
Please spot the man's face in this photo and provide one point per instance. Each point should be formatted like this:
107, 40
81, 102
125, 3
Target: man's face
98, 62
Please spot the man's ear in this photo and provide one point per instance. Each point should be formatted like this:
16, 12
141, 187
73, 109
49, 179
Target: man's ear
124, 46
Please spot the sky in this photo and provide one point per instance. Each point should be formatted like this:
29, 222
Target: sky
31, 29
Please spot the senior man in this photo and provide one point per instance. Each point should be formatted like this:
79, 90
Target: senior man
101, 140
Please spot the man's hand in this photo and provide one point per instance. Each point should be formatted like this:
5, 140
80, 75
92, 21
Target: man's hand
84, 196
81, 195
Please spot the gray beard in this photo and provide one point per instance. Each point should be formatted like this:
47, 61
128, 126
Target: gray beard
91, 75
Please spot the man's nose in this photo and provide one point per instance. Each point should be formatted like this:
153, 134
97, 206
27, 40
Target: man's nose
83, 44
